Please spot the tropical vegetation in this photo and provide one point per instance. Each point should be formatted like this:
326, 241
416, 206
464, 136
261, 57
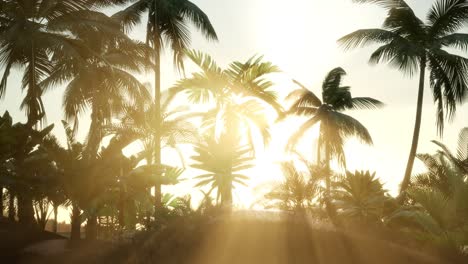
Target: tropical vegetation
204, 133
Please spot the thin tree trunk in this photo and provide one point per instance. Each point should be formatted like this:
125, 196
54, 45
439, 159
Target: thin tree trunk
55, 226
329, 207
318, 149
157, 111
121, 200
417, 127
25, 209
75, 223
91, 228
11, 206
1, 202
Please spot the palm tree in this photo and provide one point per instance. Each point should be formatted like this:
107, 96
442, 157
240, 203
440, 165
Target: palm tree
100, 79
412, 45
460, 159
224, 160
360, 196
31, 31
298, 190
436, 208
335, 126
137, 122
70, 162
167, 20
20, 142
241, 94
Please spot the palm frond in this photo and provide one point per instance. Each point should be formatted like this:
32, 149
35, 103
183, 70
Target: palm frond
447, 16
348, 126
387, 4
199, 19
365, 37
293, 140
131, 16
400, 54
462, 148
365, 103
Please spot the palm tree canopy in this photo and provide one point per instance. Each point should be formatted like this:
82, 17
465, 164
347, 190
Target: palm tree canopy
297, 191
224, 161
335, 126
407, 41
241, 93
31, 31
360, 195
173, 18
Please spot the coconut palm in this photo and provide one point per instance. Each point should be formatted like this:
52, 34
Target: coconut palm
30, 33
335, 126
168, 21
241, 94
360, 196
224, 160
100, 79
412, 45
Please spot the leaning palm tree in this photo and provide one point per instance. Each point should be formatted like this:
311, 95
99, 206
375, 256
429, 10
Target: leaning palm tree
31, 31
412, 45
167, 21
335, 126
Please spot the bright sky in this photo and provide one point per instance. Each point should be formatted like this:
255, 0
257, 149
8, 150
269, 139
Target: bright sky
300, 37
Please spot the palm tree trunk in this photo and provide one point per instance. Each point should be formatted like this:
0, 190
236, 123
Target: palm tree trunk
319, 141
121, 200
157, 110
329, 207
75, 223
11, 205
25, 209
1, 202
55, 226
91, 228
417, 127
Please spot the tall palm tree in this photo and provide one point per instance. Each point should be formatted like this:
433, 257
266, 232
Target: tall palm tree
412, 45
335, 126
224, 160
31, 31
168, 20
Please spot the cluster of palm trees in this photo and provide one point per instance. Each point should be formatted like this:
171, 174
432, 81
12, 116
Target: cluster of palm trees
71, 44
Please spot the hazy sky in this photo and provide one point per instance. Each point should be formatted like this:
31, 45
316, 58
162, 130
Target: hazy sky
300, 37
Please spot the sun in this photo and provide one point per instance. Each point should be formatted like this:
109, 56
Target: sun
267, 171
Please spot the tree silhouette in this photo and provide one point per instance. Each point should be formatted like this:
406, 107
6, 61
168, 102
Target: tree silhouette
168, 21
412, 45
